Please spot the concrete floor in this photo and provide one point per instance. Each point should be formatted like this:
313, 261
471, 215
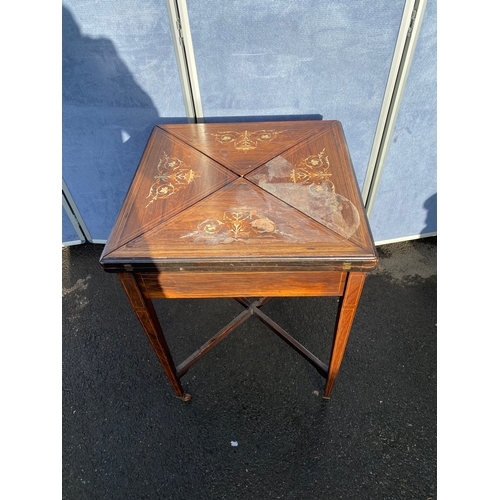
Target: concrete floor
126, 435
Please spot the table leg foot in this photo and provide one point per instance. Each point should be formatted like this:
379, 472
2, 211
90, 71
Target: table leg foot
185, 397
145, 312
345, 316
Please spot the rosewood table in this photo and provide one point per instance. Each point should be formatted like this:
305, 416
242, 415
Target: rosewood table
262, 209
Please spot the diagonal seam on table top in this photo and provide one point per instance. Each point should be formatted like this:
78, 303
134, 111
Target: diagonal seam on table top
320, 129
176, 135
167, 224
179, 131
284, 190
306, 215
119, 235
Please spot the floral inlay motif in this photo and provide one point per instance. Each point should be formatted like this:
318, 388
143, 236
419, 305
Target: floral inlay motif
246, 141
172, 177
236, 224
313, 170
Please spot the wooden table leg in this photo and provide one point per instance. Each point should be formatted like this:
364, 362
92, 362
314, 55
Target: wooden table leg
144, 309
345, 316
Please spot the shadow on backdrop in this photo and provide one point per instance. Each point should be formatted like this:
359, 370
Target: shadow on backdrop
106, 122
431, 220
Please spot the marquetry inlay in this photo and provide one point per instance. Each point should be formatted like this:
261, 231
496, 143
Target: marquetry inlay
173, 176
246, 141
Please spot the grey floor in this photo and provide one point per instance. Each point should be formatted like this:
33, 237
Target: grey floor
257, 426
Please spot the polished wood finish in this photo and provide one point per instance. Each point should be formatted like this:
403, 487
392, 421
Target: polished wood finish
246, 284
243, 210
243, 147
292, 197
345, 316
146, 314
186, 364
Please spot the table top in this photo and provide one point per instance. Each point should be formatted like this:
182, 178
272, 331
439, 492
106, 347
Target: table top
258, 195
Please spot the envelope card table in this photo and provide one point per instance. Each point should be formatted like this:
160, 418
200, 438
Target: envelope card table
243, 210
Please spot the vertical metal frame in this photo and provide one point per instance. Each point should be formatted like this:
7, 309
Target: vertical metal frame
184, 54
409, 30
74, 216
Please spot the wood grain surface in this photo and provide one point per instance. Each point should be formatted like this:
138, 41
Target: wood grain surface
240, 193
241, 284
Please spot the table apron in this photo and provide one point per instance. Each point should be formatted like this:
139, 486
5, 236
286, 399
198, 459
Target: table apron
241, 284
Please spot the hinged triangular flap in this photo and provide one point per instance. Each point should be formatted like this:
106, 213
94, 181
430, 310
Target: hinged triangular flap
240, 219
242, 147
171, 177
317, 178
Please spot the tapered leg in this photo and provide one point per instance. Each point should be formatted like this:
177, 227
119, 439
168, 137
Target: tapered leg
143, 308
345, 316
